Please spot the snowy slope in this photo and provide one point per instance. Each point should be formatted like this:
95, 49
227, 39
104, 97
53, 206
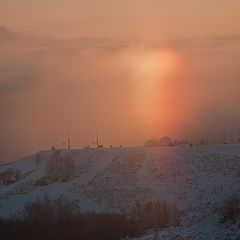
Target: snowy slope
197, 180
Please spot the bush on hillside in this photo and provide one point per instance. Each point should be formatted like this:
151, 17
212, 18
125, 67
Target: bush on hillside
61, 219
10, 176
156, 214
231, 210
59, 168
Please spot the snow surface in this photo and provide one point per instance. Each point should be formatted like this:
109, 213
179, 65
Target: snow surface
197, 180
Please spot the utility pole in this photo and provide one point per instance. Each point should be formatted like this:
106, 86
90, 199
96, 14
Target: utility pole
97, 139
69, 146
224, 137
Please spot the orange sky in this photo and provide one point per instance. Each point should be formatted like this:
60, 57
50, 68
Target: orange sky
129, 69
122, 19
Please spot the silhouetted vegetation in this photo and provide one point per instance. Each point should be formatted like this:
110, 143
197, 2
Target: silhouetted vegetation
61, 219
59, 168
156, 215
10, 176
231, 210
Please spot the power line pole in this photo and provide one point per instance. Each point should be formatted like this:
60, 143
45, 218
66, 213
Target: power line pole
224, 137
69, 146
97, 139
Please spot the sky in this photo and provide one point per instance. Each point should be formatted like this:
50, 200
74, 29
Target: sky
129, 69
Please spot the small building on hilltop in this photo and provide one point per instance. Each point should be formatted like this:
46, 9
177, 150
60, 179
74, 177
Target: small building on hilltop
150, 142
165, 141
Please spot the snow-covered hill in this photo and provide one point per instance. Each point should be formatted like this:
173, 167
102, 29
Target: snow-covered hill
197, 180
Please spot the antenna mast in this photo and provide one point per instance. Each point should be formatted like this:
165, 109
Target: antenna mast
69, 146
224, 137
97, 139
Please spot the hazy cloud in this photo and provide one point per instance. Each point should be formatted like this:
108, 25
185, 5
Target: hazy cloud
44, 45
50, 86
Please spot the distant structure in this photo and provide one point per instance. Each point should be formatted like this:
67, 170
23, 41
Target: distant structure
165, 141
97, 141
224, 138
150, 142
202, 142
63, 145
69, 146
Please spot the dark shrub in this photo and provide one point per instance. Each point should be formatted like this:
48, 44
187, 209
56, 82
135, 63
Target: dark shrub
156, 215
10, 176
60, 219
231, 210
59, 168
